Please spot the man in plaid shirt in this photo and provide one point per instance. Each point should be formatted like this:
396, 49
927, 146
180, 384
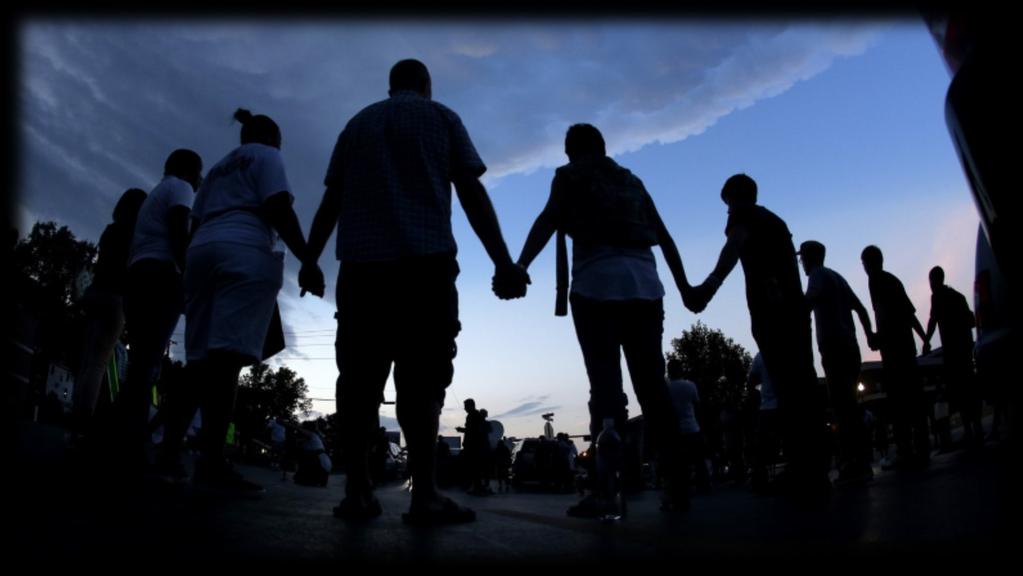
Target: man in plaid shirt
389, 193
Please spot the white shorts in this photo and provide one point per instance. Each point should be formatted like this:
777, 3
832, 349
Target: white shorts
230, 292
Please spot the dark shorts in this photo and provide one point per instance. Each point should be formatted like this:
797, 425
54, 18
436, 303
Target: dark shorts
402, 313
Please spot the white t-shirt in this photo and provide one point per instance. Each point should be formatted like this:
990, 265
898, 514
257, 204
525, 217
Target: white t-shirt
685, 396
227, 203
612, 273
152, 237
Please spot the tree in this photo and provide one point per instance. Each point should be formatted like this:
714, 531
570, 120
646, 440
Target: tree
52, 258
717, 364
46, 264
264, 393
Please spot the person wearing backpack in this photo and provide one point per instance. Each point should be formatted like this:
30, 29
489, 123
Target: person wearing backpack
616, 295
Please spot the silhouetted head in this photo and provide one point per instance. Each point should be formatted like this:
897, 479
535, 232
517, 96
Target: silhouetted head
675, 369
937, 278
484, 413
740, 188
412, 75
258, 129
186, 165
469, 404
127, 207
811, 254
873, 260
582, 141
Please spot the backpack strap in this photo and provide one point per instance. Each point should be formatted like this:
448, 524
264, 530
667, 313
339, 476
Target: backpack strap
561, 300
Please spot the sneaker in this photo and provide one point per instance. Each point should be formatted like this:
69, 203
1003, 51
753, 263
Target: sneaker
222, 479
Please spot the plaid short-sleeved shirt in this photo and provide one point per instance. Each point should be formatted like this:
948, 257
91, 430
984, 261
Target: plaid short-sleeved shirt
393, 164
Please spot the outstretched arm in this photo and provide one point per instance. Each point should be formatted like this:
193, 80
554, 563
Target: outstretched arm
919, 329
864, 316
480, 212
727, 260
310, 277
282, 217
729, 256
672, 257
932, 323
323, 223
543, 228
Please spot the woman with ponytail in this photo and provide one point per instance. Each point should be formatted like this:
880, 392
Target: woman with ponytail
232, 276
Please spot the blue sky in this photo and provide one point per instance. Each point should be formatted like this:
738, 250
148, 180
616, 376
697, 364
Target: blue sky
841, 123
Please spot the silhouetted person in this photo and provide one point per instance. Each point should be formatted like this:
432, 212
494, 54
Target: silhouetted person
951, 315
155, 296
474, 446
232, 278
616, 295
389, 195
780, 322
486, 464
833, 303
686, 399
896, 321
103, 304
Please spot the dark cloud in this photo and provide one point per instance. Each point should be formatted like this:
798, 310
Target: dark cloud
102, 104
526, 409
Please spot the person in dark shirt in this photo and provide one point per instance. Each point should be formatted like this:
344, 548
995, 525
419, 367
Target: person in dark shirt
475, 446
951, 315
780, 322
388, 193
896, 321
103, 303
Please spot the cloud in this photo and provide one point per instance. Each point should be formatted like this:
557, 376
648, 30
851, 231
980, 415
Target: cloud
102, 104
526, 409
